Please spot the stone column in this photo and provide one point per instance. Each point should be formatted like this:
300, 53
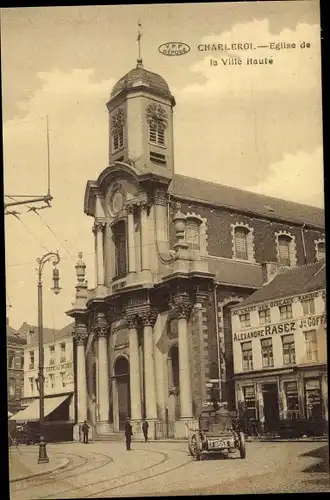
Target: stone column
131, 240
115, 405
98, 230
183, 307
101, 330
144, 238
148, 320
161, 220
81, 336
134, 368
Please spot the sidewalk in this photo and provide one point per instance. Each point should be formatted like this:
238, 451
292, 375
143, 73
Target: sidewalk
23, 463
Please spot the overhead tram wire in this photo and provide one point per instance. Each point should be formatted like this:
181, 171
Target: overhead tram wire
33, 209
33, 262
41, 244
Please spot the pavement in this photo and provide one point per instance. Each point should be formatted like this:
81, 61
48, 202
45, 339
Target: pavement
106, 469
23, 463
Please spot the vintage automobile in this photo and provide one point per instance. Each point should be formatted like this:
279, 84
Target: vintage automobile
216, 433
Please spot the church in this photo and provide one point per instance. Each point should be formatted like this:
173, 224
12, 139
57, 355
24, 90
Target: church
153, 339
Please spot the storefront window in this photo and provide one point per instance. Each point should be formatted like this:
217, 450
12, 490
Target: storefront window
247, 358
289, 351
292, 400
267, 352
311, 345
313, 398
250, 401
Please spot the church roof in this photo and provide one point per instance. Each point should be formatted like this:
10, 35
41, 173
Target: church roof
297, 281
245, 201
140, 76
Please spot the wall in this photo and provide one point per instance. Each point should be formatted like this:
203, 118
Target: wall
219, 232
15, 372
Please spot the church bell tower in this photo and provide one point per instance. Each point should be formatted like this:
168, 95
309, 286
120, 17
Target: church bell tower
141, 121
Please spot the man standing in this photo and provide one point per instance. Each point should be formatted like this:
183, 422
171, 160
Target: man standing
145, 427
85, 429
128, 434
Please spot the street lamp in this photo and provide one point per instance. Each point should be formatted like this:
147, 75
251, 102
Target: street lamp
51, 256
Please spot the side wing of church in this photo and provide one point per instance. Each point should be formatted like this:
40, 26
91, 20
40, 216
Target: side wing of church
153, 339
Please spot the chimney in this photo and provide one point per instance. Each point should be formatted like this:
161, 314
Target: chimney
269, 271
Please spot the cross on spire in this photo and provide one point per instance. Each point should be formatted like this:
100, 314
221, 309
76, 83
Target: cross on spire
139, 59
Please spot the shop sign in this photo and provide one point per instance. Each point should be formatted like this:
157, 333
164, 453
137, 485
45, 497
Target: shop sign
63, 366
287, 327
313, 321
244, 311
307, 296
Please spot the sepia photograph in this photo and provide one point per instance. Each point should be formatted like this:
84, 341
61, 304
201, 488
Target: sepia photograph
165, 249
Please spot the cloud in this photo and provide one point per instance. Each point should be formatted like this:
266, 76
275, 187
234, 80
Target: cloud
298, 68
297, 178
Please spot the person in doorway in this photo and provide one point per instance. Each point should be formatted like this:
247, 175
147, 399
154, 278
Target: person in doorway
145, 427
85, 430
128, 434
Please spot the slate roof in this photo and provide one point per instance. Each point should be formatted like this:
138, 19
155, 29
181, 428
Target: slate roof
50, 334
297, 281
236, 273
147, 78
238, 199
13, 336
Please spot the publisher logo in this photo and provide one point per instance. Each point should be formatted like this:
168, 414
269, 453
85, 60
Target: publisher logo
174, 49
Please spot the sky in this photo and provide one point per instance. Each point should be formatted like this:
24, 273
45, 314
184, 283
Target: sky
256, 127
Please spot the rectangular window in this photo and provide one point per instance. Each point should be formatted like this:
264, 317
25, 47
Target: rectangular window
267, 352
31, 364
241, 246
63, 379
12, 388
31, 382
51, 355
11, 360
289, 350
63, 352
285, 311
321, 250
157, 133
22, 363
245, 320
292, 400
311, 345
250, 401
52, 380
308, 306
247, 358
264, 316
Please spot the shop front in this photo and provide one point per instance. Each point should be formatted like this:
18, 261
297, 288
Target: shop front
290, 402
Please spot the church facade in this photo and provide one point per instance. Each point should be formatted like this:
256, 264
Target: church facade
153, 339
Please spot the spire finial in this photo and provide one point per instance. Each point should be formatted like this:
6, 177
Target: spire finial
139, 59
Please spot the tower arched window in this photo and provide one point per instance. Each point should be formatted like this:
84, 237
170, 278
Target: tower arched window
119, 238
241, 243
192, 233
284, 244
157, 121
320, 250
117, 130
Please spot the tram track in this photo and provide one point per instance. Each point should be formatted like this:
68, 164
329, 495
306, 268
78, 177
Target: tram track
119, 477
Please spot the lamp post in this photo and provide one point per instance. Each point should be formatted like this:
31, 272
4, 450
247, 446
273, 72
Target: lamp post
51, 256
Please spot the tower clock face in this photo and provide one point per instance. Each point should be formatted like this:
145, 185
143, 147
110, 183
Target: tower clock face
116, 202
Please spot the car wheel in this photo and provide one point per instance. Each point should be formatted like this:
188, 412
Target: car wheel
242, 447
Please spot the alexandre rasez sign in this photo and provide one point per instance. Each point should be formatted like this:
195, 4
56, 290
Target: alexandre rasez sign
287, 327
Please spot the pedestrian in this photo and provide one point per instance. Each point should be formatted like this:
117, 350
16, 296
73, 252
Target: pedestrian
128, 433
145, 427
85, 429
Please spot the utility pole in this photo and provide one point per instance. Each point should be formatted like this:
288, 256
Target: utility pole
26, 198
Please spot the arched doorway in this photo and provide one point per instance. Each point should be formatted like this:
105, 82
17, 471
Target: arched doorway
123, 390
229, 388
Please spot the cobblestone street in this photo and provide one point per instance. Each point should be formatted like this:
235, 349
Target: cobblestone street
106, 469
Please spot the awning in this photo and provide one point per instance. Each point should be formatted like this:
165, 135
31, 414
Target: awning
31, 413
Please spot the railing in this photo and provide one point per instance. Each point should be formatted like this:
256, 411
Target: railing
292, 414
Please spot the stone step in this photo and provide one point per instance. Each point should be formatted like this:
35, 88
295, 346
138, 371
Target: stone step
118, 436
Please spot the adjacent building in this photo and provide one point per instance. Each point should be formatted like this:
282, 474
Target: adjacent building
172, 253
280, 349
15, 368
59, 379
